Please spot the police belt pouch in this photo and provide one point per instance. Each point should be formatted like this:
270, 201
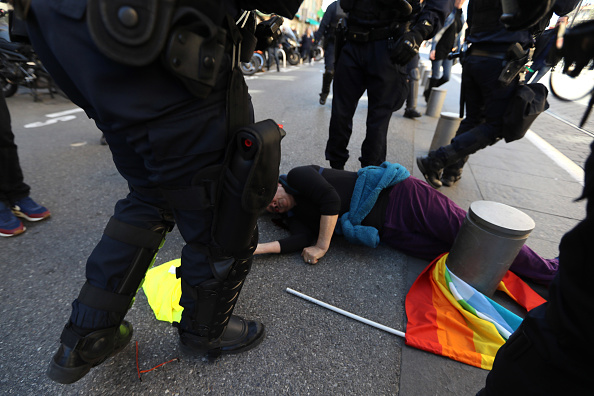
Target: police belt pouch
136, 32
527, 103
247, 184
194, 50
132, 32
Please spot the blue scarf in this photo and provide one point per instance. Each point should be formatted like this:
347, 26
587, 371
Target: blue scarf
371, 180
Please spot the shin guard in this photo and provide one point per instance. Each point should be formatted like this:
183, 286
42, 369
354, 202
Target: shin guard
148, 242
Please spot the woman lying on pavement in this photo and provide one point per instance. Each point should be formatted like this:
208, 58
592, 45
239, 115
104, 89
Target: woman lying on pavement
375, 204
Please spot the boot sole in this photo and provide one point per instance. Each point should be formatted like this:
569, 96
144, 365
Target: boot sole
424, 172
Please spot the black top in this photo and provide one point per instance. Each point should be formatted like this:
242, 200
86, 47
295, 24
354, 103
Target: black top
319, 191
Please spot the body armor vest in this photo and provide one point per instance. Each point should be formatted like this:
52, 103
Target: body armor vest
483, 16
372, 13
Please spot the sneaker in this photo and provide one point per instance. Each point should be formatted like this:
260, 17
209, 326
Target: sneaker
29, 210
9, 224
412, 113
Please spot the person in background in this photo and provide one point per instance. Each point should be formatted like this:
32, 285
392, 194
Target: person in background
327, 32
444, 42
307, 41
15, 201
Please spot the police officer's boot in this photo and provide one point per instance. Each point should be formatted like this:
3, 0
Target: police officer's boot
79, 353
431, 167
453, 173
211, 329
431, 83
326, 81
82, 349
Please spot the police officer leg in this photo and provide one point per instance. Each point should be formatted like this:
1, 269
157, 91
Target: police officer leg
456, 152
387, 90
82, 347
328, 73
211, 329
208, 325
347, 89
326, 81
411, 100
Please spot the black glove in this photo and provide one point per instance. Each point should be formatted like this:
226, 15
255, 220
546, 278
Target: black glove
407, 46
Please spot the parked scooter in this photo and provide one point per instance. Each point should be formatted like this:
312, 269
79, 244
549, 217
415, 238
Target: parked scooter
19, 65
254, 65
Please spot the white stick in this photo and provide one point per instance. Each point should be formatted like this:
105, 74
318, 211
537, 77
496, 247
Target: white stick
345, 313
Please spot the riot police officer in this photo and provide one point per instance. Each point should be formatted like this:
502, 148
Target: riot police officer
380, 42
327, 30
161, 83
490, 76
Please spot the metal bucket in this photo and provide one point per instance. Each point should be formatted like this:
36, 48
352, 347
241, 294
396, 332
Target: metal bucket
489, 240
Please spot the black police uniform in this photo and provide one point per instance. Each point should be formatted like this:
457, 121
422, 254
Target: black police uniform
327, 30
165, 134
376, 30
486, 99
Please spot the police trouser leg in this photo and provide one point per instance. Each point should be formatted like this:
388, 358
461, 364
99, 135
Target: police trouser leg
454, 155
347, 89
413, 86
81, 349
326, 81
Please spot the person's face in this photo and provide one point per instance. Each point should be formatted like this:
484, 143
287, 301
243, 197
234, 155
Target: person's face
282, 201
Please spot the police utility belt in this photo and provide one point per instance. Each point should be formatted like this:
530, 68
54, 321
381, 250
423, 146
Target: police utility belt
360, 34
514, 57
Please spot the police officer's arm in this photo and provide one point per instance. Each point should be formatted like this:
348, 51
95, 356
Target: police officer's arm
430, 20
325, 22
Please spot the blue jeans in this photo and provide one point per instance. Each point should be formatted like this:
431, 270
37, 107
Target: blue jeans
441, 69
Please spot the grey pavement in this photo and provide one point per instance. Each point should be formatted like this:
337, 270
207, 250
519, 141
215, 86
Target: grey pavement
309, 350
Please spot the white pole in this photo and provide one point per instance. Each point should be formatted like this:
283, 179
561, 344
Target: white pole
345, 313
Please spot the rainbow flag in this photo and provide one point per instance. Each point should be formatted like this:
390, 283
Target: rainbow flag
448, 317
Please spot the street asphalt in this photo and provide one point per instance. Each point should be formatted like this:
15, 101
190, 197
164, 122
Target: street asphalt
309, 350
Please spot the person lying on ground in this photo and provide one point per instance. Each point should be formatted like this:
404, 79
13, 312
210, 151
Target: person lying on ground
375, 204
